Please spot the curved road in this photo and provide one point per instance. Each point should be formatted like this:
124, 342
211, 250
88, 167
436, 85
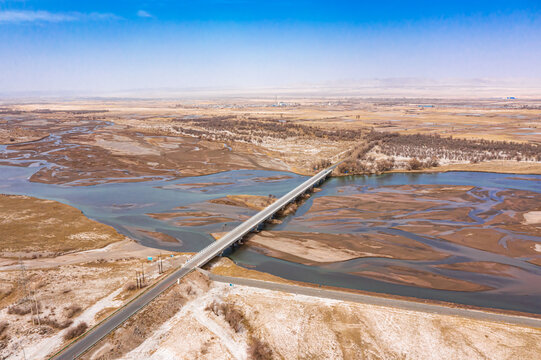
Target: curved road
380, 301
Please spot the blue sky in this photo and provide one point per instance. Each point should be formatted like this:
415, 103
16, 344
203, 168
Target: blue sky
114, 45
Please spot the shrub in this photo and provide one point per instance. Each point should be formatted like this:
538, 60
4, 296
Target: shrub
435, 146
432, 162
231, 314
234, 317
3, 326
55, 323
72, 310
259, 350
414, 164
20, 309
384, 165
76, 331
131, 286
322, 164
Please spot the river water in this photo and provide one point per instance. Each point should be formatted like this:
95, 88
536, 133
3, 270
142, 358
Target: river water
125, 207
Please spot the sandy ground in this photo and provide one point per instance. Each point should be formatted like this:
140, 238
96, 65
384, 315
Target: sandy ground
312, 248
298, 327
532, 217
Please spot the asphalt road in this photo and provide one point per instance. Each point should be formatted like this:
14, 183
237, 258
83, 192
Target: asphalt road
381, 301
97, 333
208, 253
77, 348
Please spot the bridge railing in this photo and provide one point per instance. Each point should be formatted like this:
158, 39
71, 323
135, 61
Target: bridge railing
211, 250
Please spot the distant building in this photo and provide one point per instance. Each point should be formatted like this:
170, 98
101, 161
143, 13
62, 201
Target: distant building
511, 98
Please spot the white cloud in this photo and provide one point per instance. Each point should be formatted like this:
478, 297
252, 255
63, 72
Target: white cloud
26, 16
144, 14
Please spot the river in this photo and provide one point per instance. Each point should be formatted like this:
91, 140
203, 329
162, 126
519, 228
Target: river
125, 207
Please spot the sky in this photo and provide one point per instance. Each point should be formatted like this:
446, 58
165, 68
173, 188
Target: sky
99, 46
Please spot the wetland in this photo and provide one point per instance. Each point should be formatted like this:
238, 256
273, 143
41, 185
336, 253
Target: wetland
172, 178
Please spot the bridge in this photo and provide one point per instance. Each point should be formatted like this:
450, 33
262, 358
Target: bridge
256, 222
232, 238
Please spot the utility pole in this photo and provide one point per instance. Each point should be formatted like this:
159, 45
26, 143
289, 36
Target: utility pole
23, 281
22, 278
137, 279
37, 308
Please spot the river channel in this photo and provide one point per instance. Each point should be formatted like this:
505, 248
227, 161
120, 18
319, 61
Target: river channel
126, 206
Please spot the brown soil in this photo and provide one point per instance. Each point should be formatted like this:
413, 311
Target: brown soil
201, 218
536, 261
271, 178
202, 185
203, 222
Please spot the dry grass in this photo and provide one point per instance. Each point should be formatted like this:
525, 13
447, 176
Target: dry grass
55, 323
249, 201
56, 228
509, 167
226, 267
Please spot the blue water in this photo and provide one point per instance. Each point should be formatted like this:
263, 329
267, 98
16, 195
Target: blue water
125, 206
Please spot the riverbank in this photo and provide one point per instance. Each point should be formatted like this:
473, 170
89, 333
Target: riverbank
502, 167
212, 320
227, 268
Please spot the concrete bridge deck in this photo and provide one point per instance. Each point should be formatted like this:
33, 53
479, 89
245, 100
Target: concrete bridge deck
98, 332
235, 235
